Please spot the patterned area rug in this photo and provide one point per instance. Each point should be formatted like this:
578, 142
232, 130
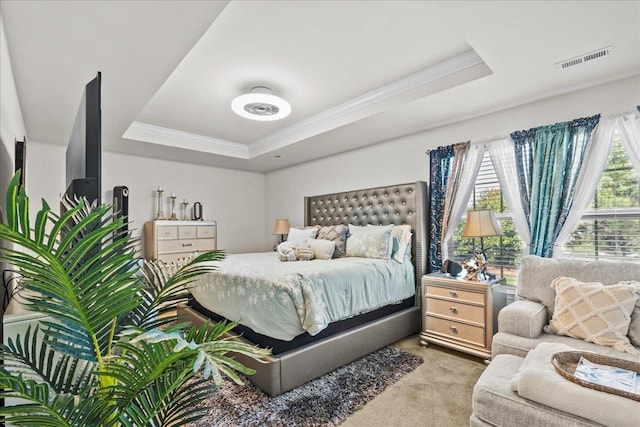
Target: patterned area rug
326, 401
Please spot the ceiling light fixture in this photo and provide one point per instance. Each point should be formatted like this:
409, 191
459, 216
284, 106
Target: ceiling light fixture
261, 104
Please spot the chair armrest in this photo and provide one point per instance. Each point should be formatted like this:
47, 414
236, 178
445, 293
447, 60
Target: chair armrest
523, 318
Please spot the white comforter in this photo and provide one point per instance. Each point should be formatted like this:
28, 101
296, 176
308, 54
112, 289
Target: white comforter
285, 299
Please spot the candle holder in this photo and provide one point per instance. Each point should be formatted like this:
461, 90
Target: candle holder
160, 214
185, 203
173, 216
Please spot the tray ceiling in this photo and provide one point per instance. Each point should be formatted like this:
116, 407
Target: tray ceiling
355, 72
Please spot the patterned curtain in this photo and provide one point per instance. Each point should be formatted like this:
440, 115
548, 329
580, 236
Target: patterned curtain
548, 160
439, 166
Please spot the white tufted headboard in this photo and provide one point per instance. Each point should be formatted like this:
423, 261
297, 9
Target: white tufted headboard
394, 204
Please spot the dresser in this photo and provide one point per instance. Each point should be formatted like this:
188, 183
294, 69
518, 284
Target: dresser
461, 314
173, 240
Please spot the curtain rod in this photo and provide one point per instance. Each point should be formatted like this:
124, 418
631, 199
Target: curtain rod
497, 138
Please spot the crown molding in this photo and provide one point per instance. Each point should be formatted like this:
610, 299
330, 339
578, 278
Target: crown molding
372, 102
452, 72
189, 141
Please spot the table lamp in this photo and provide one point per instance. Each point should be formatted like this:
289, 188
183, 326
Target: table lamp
281, 228
480, 223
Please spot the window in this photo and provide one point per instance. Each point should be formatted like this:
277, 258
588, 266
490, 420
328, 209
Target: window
610, 227
503, 252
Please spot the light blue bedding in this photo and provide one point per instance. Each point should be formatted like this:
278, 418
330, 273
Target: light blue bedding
285, 299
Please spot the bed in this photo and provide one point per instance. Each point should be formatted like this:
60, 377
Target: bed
313, 343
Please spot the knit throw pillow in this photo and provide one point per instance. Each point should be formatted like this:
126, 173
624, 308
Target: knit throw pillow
593, 312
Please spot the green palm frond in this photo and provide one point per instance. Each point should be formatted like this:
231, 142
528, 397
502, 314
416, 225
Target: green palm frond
170, 400
86, 284
40, 406
211, 347
35, 359
99, 360
165, 286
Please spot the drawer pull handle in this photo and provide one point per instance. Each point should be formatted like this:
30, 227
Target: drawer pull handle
453, 294
167, 232
453, 329
453, 310
187, 245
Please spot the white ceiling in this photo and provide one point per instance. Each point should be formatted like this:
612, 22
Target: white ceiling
355, 72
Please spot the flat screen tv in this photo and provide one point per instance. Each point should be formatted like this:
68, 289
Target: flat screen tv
83, 158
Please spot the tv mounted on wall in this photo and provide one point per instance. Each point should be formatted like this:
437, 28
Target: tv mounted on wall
83, 159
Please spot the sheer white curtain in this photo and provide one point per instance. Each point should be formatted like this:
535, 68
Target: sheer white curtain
629, 126
504, 162
594, 162
470, 167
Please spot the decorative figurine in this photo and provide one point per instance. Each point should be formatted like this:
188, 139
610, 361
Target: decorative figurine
160, 214
476, 267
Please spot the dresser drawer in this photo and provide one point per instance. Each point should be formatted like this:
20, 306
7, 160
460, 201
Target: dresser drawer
456, 330
175, 257
206, 231
456, 310
455, 294
187, 232
167, 233
186, 245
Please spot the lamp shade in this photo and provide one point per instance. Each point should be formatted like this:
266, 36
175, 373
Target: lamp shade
281, 227
481, 223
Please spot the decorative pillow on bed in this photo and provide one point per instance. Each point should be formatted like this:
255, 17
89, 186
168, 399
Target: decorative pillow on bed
401, 242
337, 234
322, 249
370, 242
593, 312
304, 253
301, 236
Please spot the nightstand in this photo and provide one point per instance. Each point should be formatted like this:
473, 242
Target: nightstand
460, 314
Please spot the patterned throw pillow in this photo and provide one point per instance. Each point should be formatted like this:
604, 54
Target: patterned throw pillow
338, 234
593, 312
369, 242
301, 236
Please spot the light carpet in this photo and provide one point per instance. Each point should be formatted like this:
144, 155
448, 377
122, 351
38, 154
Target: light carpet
326, 401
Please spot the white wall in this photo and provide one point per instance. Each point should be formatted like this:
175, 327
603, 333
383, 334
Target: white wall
11, 122
11, 128
404, 160
235, 199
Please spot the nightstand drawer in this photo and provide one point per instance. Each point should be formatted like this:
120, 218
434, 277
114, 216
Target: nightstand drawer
188, 232
455, 294
456, 330
186, 245
456, 310
167, 233
206, 231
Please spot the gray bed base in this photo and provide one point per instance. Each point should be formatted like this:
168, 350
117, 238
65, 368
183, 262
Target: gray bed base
396, 204
293, 368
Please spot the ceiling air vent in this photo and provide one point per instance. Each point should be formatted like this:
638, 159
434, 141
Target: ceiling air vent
586, 57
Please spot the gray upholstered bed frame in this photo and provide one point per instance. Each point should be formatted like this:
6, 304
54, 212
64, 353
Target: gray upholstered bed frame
395, 204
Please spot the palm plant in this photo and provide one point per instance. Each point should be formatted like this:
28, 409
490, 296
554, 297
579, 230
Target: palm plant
111, 352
